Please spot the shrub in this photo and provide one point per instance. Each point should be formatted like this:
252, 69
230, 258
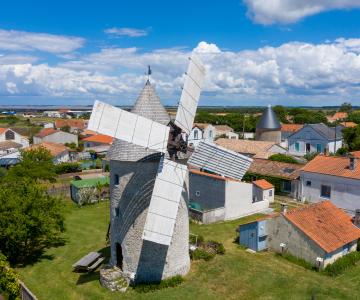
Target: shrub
310, 156
154, 286
218, 247
8, 279
201, 253
67, 167
342, 264
283, 158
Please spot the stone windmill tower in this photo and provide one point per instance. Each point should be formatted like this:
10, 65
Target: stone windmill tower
268, 128
149, 225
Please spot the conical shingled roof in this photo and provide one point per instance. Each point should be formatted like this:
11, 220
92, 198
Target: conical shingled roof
268, 120
149, 106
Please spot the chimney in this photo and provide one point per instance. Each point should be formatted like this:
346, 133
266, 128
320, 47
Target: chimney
352, 164
283, 208
357, 218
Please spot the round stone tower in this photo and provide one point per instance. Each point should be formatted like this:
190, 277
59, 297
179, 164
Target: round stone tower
132, 176
268, 128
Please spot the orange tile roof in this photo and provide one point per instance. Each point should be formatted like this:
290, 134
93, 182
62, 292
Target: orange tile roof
291, 127
88, 132
54, 148
2, 130
201, 125
99, 138
349, 124
263, 184
75, 123
197, 172
332, 165
275, 168
337, 116
324, 223
245, 146
356, 153
45, 132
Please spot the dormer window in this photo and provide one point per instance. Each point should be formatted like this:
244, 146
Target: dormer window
9, 135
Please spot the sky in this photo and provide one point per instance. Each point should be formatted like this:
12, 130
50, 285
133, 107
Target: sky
256, 52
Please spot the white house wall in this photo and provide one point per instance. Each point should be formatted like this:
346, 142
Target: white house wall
345, 192
206, 134
17, 139
58, 137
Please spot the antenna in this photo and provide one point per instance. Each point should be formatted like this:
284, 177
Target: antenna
149, 72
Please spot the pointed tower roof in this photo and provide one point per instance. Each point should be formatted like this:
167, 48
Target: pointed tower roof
268, 120
149, 106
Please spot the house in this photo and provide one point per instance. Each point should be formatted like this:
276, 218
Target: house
286, 131
55, 136
216, 198
8, 134
75, 125
52, 114
254, 149
59, 152
99, 143
201, 132
247, 135
87, 190
319, 233
8, 147
348, 124
284, 176
225, 131
11, 159
332, 178
338, 116
262, 189
315, 138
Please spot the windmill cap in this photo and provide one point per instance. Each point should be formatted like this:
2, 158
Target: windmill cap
268, 120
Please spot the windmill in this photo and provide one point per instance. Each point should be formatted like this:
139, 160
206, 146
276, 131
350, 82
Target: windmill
167, 141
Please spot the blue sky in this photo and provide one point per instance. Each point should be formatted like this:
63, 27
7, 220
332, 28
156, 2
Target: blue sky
255, 51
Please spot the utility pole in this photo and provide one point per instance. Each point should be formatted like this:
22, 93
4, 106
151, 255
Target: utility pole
244, 126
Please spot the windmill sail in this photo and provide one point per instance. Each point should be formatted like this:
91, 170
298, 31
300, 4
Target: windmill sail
164, 203
129, 127
190, 94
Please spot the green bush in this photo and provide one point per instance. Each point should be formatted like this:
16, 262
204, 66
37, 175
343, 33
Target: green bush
201, 253
310, 156
358, 245
342, 264
68, 167
218, 247
8, 279
298, 261
283, 158
154, 286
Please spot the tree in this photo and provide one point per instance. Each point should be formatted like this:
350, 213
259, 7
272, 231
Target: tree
9, 281
65, 128
283, 158
35, 164
281, 113
30, 219
345, 107
352, 137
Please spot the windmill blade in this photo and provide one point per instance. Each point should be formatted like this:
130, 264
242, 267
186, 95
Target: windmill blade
190, 94
164, 203
129, 127
219, 160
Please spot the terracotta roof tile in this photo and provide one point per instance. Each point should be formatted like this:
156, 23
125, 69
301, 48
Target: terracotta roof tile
324, 223
245, 146
99, 138
201, 125
349, 124
75, 123
45, 132
332, 165
2, 130
225, 128
291, 127
5, 145
263, 184
54, 148
197, 172
356, 153
275, 168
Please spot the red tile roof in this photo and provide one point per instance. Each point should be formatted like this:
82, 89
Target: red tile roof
356, 153
54, 148
197, 172
88, 132
99, 138
263, 184
291, 127
75, 123
45, 132
275, 168
2, 130
327, 225
333, 165
349, 124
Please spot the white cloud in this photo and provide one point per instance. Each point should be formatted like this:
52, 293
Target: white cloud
13, 40
289, 11
131, 32
292, 72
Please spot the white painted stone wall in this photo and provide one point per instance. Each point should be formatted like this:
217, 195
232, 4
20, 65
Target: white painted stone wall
24, 141
59, 137
197, 135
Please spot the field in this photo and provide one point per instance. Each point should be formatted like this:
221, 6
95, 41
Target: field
235, 275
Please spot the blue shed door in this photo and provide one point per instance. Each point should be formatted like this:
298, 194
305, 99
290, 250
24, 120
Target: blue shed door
252, 237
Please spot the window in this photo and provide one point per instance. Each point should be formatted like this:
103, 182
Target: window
325, 191
318, 148
308, 147
210, 134
308, 183
297, 146
117, 211
116, 179
9, 135
197, 193
196, 135
270, 193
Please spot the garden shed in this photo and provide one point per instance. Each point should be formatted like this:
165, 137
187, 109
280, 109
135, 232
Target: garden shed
90, 190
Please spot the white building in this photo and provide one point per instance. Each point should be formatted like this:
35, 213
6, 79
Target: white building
7, 134
225, 131
262, 189
201, 132
55, 136
59, 152
332, 178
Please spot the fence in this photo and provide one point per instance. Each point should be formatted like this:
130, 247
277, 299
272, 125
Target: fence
25, 293
62, 190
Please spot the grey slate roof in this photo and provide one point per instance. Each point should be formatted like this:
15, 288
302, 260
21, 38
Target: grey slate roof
268, 120
327, 132
149, 106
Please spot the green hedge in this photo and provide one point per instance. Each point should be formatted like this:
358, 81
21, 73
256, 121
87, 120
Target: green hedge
298, 261
8, 279
275, 181
154, 286
342, 264
283, 158
68, 167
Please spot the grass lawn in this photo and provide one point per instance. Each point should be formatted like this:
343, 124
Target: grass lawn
235, 275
